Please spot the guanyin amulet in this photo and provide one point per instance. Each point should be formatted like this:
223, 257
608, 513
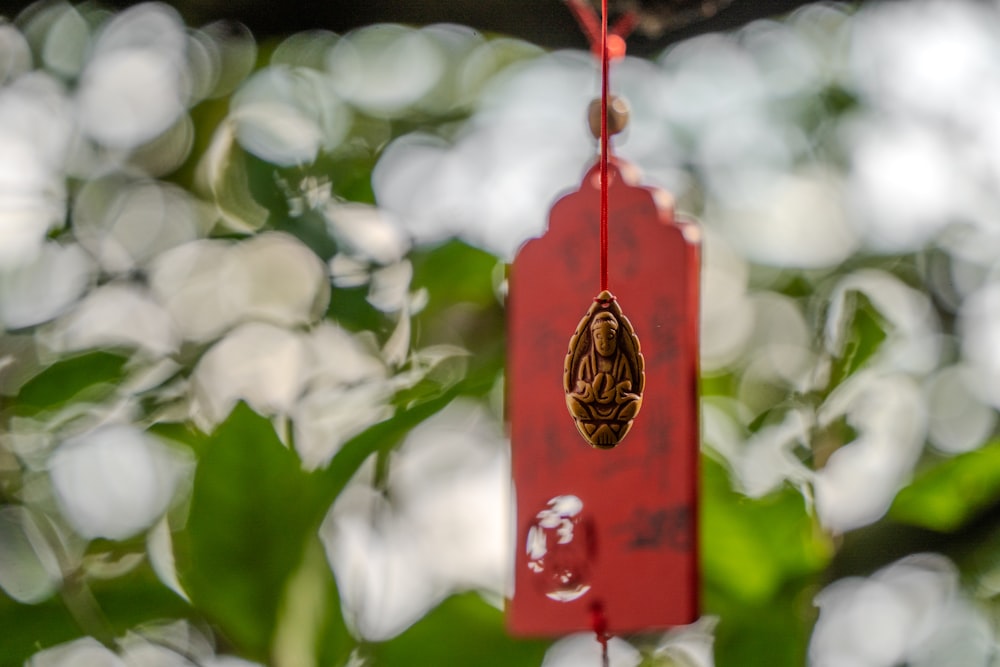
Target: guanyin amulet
604, 374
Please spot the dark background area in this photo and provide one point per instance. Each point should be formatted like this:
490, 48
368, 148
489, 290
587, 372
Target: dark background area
548, 23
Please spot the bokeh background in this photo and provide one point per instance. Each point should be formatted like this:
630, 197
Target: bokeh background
252, 332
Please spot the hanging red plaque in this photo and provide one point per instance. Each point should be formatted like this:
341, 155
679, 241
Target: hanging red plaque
610, 527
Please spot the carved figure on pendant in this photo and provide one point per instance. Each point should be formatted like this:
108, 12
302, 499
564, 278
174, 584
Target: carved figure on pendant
604, 374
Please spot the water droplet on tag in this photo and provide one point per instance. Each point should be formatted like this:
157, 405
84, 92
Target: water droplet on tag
560, 546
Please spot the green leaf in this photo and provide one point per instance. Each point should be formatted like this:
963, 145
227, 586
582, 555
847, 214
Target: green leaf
352, 163
719, 384
761, 560
252, 509
311, 629
310, 228
30, 628
380, 437
773, 633
462, 304
751, 547
462, 630
124, 603
948, 495
468, 278
867, 331
350, 308
136, 598
67, 378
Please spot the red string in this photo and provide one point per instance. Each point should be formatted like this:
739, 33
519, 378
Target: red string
590, 26
610, 46
599, 623
587, 20
604, 144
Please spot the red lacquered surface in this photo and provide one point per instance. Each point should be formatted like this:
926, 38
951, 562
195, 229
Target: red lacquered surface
634, 541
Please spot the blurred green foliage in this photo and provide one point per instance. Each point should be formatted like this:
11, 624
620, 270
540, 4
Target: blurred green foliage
243, 541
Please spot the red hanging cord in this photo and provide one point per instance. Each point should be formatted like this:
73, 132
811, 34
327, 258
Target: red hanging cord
588, 23
604, 144
599, 624
609, 46
591, 27
587, 20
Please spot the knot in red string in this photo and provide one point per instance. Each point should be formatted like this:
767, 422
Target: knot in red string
599, 624
591, 27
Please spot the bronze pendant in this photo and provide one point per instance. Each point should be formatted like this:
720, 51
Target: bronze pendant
604, 374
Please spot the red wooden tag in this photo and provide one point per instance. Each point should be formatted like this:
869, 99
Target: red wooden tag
607, 529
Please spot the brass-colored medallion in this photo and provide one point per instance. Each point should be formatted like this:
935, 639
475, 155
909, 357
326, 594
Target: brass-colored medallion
604, 374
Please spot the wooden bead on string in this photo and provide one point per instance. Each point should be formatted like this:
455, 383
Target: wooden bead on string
618, 114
